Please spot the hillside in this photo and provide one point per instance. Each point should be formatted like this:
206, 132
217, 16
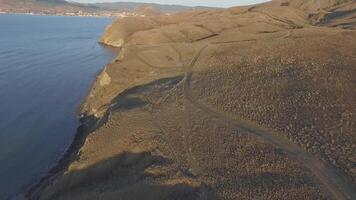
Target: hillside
254, 102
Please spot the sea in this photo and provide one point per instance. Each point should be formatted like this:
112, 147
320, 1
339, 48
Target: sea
47, 65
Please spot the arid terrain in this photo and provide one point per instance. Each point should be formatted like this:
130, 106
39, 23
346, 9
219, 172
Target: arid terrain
254, 102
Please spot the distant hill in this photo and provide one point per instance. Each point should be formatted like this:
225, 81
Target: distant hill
51, 1
43, 6
33, 2
129, 6
62, 6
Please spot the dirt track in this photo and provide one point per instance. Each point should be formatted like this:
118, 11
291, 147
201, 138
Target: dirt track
335, 183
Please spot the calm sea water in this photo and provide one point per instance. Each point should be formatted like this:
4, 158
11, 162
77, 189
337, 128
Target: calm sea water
47, 64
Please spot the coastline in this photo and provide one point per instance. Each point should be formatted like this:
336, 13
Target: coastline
173, 54
59, 15
94, 15
50, 136
87, 123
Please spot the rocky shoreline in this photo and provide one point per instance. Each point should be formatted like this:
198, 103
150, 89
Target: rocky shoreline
87, 124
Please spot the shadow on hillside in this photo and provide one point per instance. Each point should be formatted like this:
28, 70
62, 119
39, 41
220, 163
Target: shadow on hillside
132, 97
124, 177
129, 99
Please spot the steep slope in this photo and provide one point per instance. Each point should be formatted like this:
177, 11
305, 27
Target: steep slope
334, 13
313, 5
251, 102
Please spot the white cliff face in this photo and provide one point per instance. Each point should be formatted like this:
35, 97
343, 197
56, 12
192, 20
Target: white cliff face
104, 79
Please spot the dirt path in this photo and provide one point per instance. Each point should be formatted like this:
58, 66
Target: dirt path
337, 184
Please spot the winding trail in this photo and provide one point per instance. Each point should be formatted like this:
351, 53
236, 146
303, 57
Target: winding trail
336, 183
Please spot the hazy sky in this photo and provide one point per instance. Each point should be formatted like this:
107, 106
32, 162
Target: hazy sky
213, 3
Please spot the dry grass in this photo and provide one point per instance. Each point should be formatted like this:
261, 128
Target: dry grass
169, 130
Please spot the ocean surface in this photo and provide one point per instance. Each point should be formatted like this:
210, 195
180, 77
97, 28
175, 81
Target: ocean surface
47, 64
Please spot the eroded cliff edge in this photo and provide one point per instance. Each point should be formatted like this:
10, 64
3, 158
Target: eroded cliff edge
250, 102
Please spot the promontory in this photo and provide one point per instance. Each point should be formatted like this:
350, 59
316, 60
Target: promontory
254, 102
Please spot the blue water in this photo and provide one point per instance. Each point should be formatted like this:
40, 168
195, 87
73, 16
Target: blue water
47, 64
